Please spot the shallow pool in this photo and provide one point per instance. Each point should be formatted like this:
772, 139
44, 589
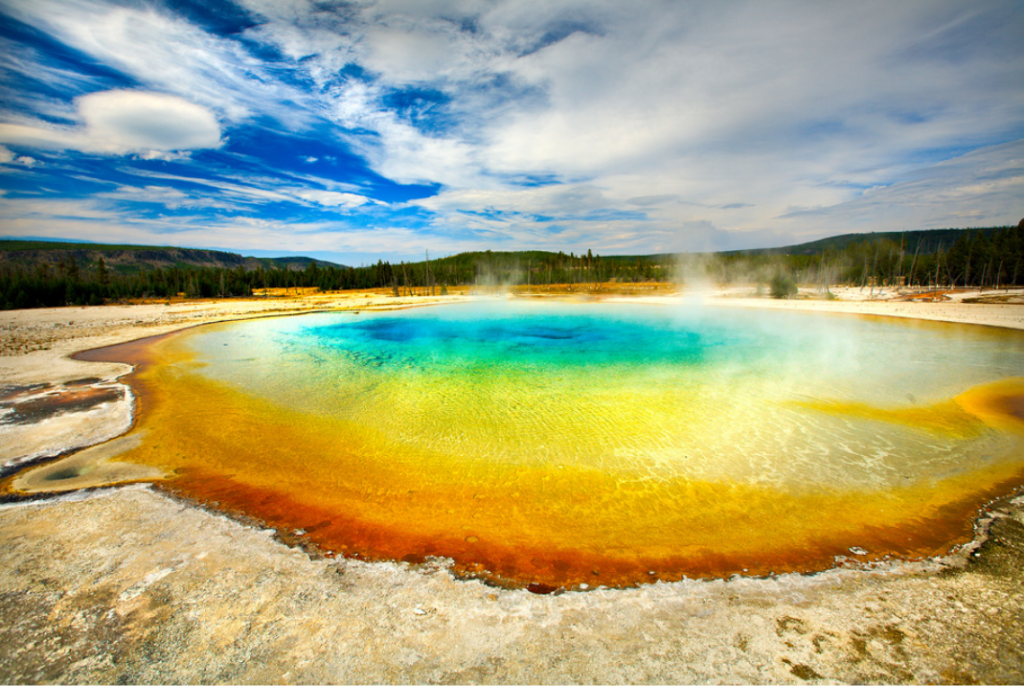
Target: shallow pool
593, 444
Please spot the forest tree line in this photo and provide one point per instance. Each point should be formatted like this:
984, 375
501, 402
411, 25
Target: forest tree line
992, 258
70, 283
986, 259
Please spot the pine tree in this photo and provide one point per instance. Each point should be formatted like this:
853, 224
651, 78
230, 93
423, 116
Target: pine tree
102, 275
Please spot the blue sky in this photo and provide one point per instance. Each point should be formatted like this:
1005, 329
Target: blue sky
354, 131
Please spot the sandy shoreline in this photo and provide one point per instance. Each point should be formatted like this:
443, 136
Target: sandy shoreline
129, 585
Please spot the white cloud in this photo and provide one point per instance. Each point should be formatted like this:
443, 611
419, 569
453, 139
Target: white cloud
659, 123
8, 157
148, 121
255, 191
558, 199
332, 198
754, 107
409, 56
171, 198
75, 219
981, 188
165, 155
119, 122
171, 55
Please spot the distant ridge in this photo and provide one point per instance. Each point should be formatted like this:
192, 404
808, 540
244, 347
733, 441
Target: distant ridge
127, 259
46, 274
924, 241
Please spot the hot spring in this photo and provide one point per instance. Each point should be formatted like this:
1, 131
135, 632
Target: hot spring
582, 445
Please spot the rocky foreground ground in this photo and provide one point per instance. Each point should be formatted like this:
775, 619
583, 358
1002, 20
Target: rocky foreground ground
127, 585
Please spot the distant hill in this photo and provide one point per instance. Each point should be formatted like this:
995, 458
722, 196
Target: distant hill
925, 242
47, 274
128, 259
293, 263
133, 259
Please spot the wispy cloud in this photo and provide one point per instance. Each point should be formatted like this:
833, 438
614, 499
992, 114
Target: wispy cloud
156, 47
261, 190
980, 188
526, 123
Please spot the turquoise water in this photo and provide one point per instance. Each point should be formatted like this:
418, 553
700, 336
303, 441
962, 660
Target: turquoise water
570, 444
937, 360
650, 392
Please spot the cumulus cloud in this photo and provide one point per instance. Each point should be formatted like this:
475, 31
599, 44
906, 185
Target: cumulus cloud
122, 121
